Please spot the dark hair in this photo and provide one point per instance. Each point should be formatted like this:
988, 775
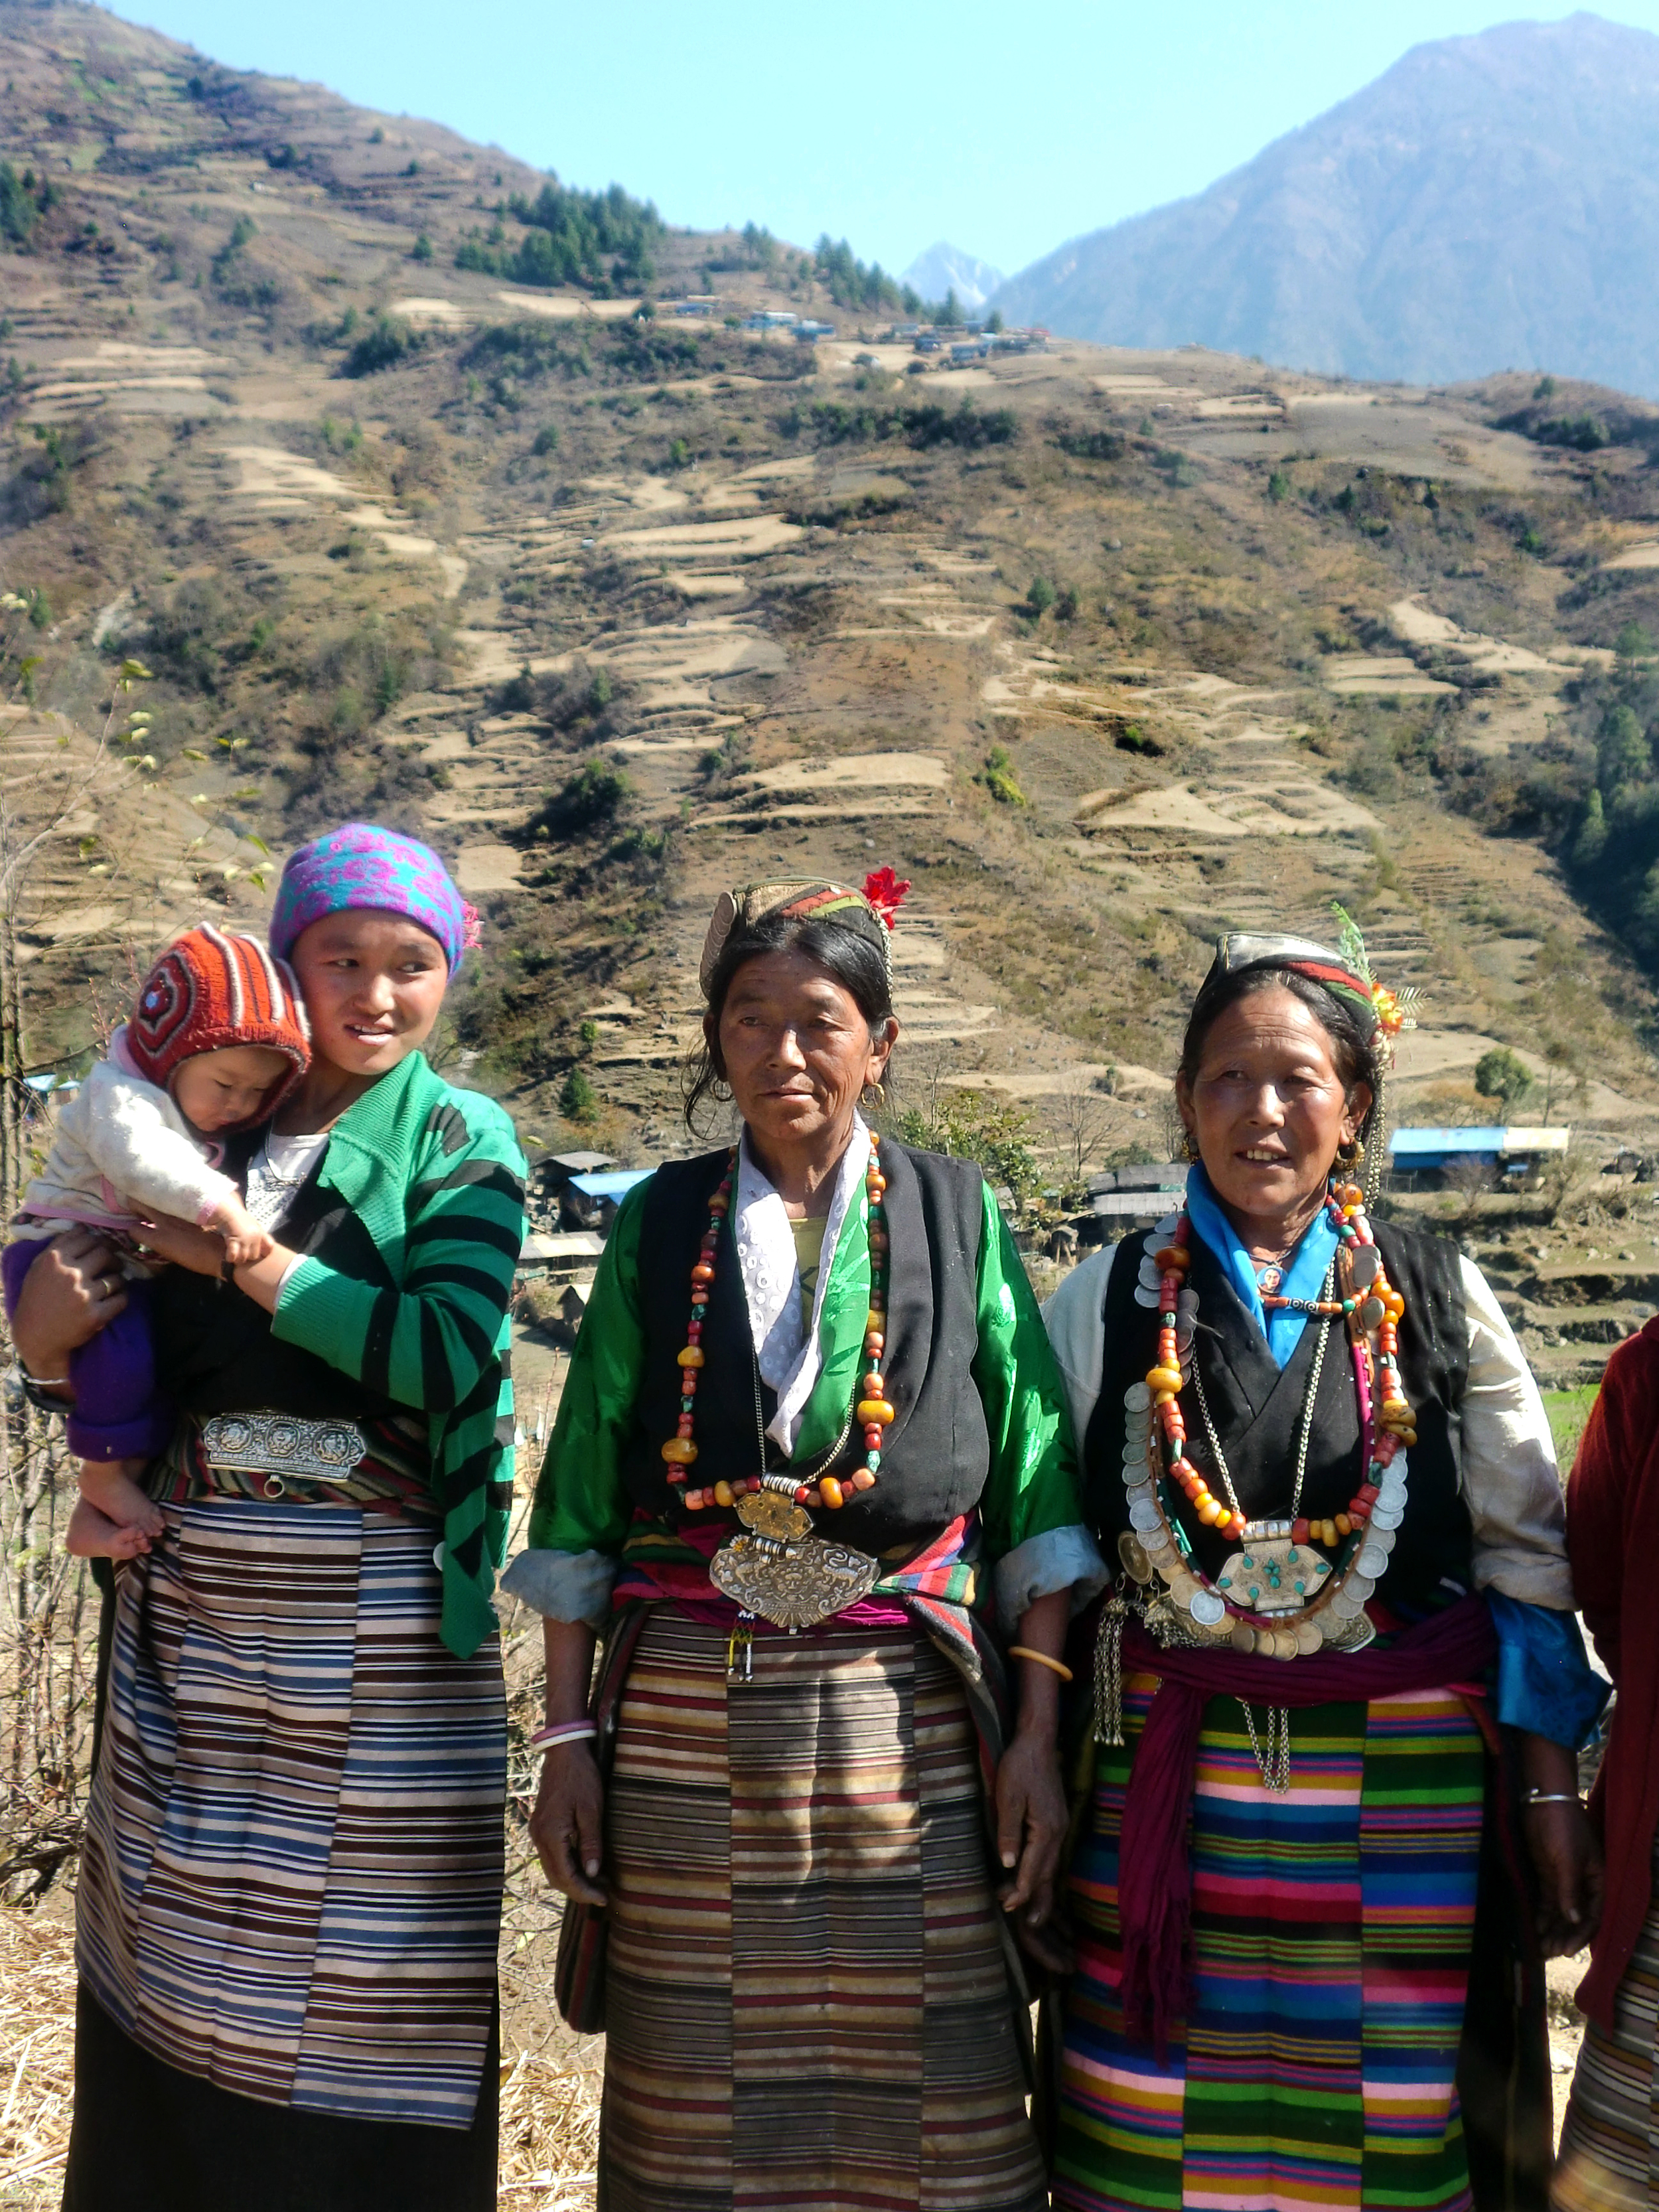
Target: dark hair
856, 963
1351, 1048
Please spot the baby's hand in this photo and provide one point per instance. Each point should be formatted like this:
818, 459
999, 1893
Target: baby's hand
244, 1241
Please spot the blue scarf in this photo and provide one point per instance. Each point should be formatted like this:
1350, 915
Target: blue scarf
1303, 1273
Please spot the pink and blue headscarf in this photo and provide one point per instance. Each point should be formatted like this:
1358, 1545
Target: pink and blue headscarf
360, 865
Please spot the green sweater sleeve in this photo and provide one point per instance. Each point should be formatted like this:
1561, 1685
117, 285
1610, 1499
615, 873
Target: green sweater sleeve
581, 1504
429, 1342
1031, 1489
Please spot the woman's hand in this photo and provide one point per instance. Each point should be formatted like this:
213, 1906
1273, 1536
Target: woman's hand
567, 1825
72, 1289
1030, 1828
1566, 1857
202, 1250
1566, 1851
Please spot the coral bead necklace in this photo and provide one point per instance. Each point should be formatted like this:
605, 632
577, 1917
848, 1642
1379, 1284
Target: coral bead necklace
871, 1408
1287, 1599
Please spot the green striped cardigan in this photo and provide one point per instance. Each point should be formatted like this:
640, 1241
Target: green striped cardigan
436, 1177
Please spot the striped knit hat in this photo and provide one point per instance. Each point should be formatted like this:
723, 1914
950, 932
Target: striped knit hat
209, 991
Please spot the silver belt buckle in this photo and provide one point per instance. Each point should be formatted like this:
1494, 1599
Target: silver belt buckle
282, 1449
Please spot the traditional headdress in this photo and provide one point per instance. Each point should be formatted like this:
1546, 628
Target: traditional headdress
868, 914
1346, 973
360, 865
209, 990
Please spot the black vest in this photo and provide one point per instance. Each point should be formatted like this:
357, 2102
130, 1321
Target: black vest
1258, 1409
937, 1453
214, 1352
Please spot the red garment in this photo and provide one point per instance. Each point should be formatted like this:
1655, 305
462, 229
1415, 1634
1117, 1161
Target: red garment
1613, 1536
209, 991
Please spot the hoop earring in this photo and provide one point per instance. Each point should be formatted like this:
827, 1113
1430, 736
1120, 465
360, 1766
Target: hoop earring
1351, 1154
874, 1094
721, 1090
1189, 1145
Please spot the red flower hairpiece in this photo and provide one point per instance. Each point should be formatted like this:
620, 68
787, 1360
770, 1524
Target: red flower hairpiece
885, 895
471, 926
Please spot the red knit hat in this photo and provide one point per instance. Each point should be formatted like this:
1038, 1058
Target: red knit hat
208, 992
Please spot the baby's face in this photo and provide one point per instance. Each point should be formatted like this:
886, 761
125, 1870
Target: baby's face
222, 1089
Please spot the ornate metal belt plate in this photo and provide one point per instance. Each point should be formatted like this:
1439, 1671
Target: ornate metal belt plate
282, 1449
780, 1570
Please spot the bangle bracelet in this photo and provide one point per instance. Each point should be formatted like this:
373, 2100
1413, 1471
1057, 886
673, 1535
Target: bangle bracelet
563, 1732
1024, 1651
1553, 1797
44, 1381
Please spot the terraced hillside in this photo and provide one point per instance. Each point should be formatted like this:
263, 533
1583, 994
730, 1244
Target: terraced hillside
1104, 651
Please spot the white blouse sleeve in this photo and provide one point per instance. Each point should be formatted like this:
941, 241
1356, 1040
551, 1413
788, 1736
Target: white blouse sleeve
1075, 1318
1511, 1482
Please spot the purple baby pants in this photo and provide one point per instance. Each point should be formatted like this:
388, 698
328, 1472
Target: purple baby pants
117, 1413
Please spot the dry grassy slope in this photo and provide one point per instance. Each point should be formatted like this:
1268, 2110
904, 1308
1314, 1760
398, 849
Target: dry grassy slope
812, 643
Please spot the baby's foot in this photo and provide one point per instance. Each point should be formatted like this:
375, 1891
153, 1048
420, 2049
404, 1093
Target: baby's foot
107, 1486
94, 1535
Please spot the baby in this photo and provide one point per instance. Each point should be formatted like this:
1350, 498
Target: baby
217, 1038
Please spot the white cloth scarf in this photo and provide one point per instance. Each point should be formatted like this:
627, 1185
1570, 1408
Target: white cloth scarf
785, 1344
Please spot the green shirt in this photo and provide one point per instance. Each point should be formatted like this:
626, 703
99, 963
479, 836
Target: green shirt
581, 1505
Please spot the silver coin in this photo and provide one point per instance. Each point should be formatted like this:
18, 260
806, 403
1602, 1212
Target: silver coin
1366, 1262
1206, 1608
1373, 1559
1143, 1515
1150, 1273
1137, 1397
1383, 1518
1345, 1604
1187, 1304
1359, 1588
1164, 1230
1146, 1298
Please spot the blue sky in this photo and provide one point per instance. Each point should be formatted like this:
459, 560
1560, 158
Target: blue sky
890, 123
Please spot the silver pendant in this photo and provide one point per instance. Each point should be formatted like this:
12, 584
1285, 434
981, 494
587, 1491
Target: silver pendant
779, 1569
1273, 1578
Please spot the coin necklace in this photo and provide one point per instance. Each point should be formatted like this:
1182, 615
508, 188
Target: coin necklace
1278, 1595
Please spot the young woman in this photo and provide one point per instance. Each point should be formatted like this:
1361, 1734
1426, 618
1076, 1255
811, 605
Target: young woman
290, 1888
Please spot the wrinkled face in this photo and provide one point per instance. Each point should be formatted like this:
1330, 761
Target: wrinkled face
795, 1047
1267, 1109
373, 983
227, 1089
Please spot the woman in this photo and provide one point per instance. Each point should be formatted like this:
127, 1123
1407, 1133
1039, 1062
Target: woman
1312, 1444
290, 1886
1610, 2140
850, 1428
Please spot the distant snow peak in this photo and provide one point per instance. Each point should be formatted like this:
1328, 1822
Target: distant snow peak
945, 268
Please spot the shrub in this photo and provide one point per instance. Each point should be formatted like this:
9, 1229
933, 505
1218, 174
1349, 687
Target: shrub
998, 777
383, 347
595, 795
546, 439
578, 1101
1501, 1074
1091, 444
1040, 597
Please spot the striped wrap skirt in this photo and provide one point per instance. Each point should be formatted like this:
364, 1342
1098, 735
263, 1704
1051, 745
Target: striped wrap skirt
291, 1881
1610, 2159
1330, 1941
807, 2001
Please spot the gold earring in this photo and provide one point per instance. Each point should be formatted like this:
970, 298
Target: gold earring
875, 1094
1350, 1153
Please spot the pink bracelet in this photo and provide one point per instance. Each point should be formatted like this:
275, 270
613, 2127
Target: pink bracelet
563, 1732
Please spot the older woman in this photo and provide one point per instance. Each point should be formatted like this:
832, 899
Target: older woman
1311, 1442
812, 1421
290, 1888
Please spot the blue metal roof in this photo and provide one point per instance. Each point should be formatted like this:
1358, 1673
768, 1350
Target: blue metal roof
1406, 1144
616, 1185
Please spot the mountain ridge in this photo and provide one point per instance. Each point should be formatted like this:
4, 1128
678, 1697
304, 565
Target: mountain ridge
1489, 201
